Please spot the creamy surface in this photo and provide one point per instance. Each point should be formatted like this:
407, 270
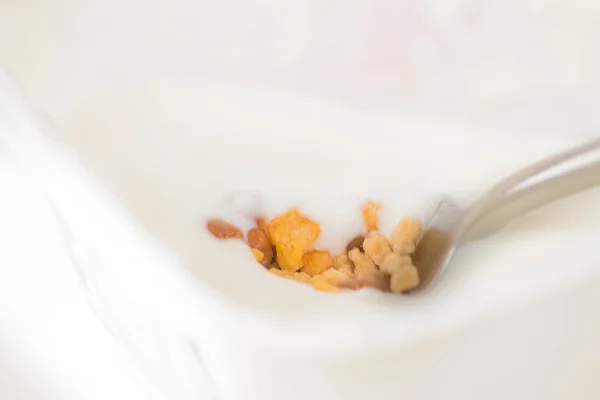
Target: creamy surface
175, 155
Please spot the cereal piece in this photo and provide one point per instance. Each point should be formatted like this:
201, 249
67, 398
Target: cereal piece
404, 279
292, 234
223, 230
259, 255
283, 274
302, 277
377, 247
343, 263
352, 284
363, 265
295, 276
261, 223
376, 280
333, 275
258, 239
316, 262
324, 286
370, 214
395, 261
406, 235
357, 242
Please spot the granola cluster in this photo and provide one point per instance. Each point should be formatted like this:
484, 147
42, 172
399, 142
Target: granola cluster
285, 246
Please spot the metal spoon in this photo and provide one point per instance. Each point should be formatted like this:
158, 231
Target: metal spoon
451, 226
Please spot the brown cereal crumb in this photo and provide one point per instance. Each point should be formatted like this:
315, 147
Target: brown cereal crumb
261, 223
404, 279
363, 265
406, 235
394, 261
343, 263
377, 247
376, 280
352, 284
357, 242
223, 230
370, 214
258, 239
316, 262
259, 255
292, 234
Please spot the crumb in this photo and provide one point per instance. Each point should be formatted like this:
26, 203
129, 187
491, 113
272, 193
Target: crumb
261, 223
377, 247
284, 247
316, 262
343, 263
324, 286
302, 277
223, 230
394, 262
282, 273
356, 243
258, 239
363, 265
376, 280
404, 279
406, 235
259, 255
333, 275
370, 214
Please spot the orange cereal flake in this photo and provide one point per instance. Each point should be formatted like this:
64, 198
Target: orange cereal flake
281, 273
292, 235
259, 255
296, 276
223, 230
316, 262
302, 277
343, 263
323, 285
370, 214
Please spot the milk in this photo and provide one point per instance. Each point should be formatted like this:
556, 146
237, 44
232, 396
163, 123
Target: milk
204, 319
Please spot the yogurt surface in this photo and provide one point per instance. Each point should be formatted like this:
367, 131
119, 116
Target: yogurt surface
178, 154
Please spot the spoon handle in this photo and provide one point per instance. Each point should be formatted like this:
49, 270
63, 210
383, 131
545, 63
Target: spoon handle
531, 188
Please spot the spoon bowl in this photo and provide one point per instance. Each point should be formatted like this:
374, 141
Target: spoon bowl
542, 183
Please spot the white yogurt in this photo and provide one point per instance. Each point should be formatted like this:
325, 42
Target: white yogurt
174, 155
